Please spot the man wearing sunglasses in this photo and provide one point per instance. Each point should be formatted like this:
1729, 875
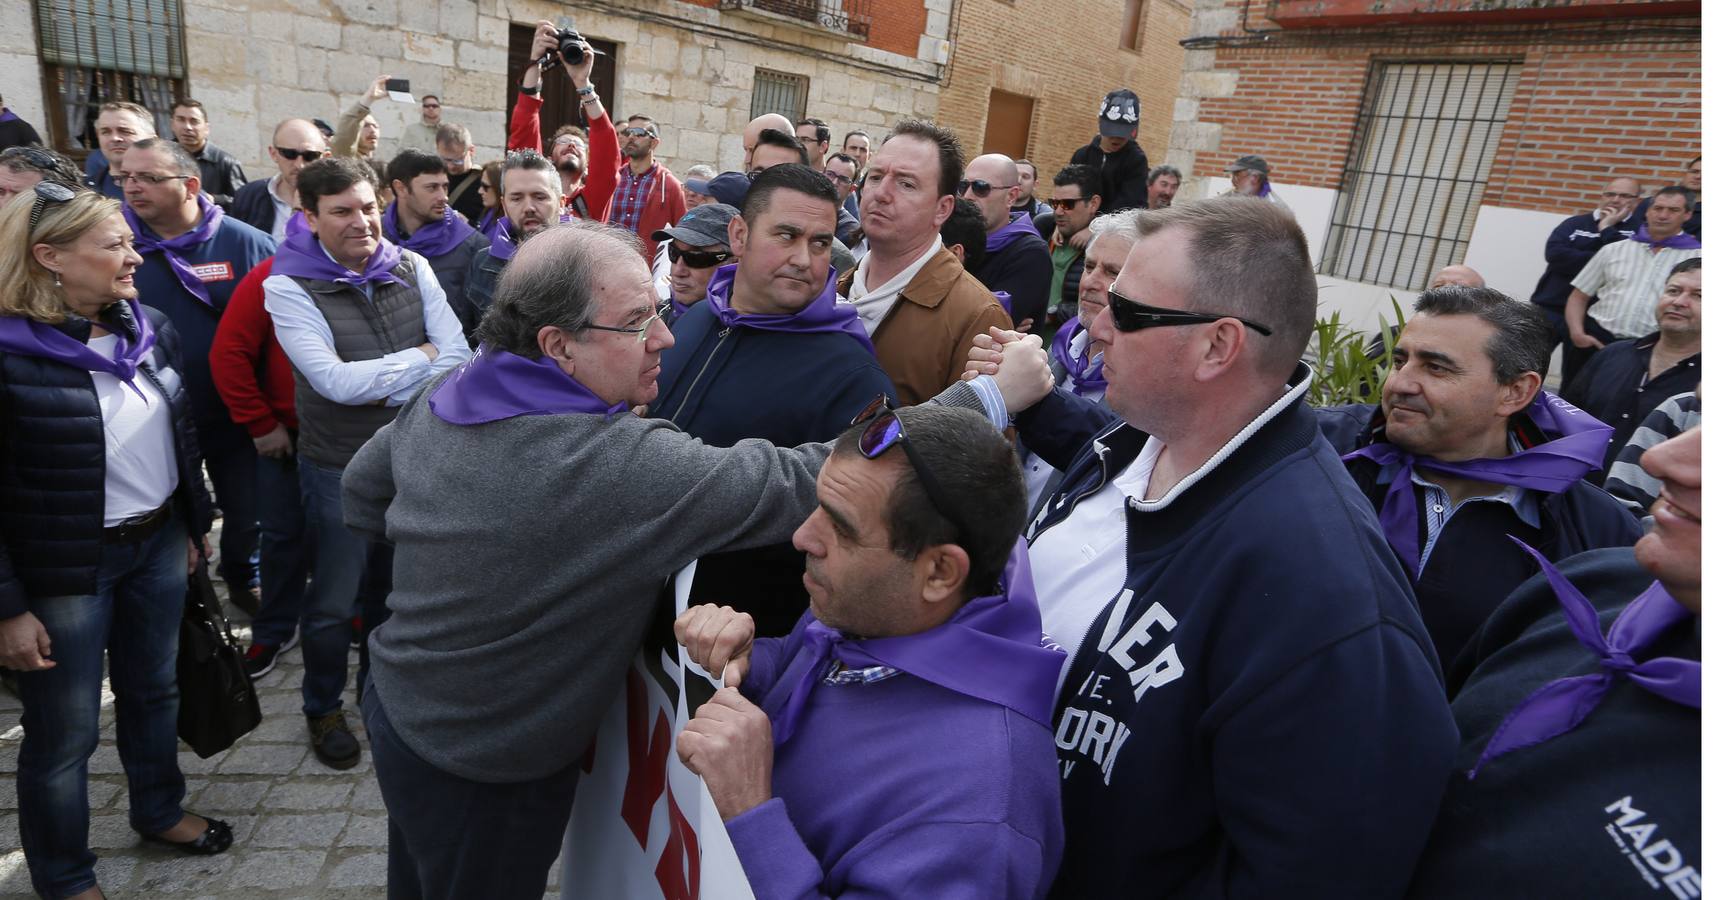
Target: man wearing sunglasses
1017, 260
423, 133
193, 256
647, 198
897, 744
1246, 659
691, 252
1076, 200
770, 319
268, 203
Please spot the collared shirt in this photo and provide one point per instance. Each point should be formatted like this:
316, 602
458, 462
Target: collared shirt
872, 306
870, 675
631, 194
307, 341
284, 210
1626, 278
1436, 503
1615, 386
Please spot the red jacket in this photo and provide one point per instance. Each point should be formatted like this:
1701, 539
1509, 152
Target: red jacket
664, 205
252, 374
602, 162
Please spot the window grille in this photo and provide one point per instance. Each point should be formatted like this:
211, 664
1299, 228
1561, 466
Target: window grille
779, 92
1416, 170
95, 51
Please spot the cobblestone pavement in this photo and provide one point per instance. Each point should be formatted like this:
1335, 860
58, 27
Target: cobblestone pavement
301, 829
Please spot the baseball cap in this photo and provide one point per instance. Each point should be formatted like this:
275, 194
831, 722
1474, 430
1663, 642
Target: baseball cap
729, 188
1118, 116
702, 226
324, 128
1253, 163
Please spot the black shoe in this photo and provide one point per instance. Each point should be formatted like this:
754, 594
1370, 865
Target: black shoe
260, 658
332, 742
217, 837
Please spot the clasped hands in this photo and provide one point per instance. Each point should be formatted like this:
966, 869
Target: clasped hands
1017, 363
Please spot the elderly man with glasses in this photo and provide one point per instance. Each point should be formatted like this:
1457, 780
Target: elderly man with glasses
1248, 680
1573, 243
1017, 261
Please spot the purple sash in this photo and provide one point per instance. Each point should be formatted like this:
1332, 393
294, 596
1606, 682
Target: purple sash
823, 314
32, 338
431, 240
495, 385
146, 241
297, 224
991, 649
1680, 241
1019, 224
1086, 372
302, 257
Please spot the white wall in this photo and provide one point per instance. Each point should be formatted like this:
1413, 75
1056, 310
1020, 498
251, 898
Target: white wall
1311, 207
1507, 246
20, 71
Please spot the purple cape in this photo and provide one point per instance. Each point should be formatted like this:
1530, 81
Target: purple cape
1561, 705
31, 338
301, 256
146, 241
1086, 372
430, 240
497, 385
1019, 224
1680, 241
297, 224
1577, 442
991, 649
823, 314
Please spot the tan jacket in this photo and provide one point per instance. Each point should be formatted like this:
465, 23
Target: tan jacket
923, 342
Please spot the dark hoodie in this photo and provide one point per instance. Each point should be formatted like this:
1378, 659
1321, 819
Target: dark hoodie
1123, 173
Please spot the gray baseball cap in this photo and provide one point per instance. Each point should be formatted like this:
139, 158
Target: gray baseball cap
702, 226
1250, 163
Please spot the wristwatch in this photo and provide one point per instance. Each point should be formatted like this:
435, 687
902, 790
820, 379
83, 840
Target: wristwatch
586, 92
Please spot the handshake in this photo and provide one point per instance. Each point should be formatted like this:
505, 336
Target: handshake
1017, 363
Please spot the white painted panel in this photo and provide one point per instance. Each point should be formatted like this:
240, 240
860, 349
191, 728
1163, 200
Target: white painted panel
1311, 207
1507, 247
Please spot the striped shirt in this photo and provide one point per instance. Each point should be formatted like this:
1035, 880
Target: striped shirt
1626, 278
1627, 480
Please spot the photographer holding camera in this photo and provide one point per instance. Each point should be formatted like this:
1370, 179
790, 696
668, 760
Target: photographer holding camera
587, 180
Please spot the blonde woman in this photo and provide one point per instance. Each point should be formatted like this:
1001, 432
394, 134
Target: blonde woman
103, 513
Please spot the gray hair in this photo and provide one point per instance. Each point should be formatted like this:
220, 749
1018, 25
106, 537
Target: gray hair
452, 133
179, 159
1522, 338
1160, 171
552, 280
1127, 224
701, 171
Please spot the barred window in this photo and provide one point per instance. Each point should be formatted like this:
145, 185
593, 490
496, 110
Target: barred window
95, 51
1417, 169
779, 92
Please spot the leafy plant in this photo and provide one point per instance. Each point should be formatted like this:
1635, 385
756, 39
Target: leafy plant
1349, 365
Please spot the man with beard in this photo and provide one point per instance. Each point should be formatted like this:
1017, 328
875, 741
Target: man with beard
420, 218
1163, 184
1017, 260
588, 172
530, 197
647, 197
357, 132
1077, 199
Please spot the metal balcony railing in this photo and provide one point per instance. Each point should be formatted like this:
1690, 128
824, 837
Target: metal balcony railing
851, 17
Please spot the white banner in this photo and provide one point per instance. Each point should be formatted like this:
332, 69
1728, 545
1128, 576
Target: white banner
644, 826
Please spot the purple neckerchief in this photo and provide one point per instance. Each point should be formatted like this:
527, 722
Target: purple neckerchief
146, 241
297, 224
1004, 300
1561, 705
1681, 241
485, 224
302, 257
497, 385
7, 115
1019, 224
1575, 447
1086, 372
430, 240
1263, 187
823, 314
502, 240
991, 649
32, 338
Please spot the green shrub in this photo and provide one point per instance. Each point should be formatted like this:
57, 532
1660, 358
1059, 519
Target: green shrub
1347, 367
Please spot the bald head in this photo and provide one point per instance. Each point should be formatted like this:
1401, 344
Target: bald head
999, 173
305, 144
750, 137
1462, 276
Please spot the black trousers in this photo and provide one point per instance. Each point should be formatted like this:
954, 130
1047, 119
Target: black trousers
455, 839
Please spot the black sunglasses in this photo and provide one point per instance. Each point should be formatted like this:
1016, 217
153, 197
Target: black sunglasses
981, 187
884, 431
1130, 315
47, 192
292, 155
697, 259
1059, 203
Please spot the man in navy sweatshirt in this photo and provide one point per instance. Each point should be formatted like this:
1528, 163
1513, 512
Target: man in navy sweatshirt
1017, 260
1251, 706
919, 680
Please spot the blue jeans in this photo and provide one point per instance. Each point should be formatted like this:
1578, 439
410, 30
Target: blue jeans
233, 475
341, 557
135, 615
283, 550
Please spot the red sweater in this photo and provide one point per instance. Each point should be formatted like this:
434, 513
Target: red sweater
252, 374
602, 162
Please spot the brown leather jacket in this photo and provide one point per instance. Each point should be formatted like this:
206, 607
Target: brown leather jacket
923, 342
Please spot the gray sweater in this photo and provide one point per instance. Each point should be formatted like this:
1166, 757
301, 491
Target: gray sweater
530, 554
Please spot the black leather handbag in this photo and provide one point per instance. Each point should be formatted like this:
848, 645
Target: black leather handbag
218, 703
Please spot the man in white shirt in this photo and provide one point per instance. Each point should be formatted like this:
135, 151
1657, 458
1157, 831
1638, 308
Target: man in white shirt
268, 204
1625, 277
365, 325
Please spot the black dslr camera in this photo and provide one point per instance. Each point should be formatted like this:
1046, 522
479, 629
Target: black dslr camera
573, 50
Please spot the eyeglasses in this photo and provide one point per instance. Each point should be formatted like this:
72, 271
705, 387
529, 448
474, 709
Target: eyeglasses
838, 180
981, 187
884, 431
430, 106
568, 140
809, 140
453, 160
642, 329
47, 192
1130, 315
147, 178
638, 132
292, 155
697, 259
1066, 204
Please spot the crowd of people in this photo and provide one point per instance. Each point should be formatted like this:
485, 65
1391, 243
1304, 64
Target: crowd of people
987, 494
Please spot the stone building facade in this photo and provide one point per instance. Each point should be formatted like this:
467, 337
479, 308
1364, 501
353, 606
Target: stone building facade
1057, 59
693, 66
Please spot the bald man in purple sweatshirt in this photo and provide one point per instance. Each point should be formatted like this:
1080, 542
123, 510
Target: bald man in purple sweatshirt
897, 743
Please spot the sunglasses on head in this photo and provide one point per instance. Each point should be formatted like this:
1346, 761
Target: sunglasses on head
47, 192
37, 157
292, 155
697, 259
1130, 315
981, 187
885, 430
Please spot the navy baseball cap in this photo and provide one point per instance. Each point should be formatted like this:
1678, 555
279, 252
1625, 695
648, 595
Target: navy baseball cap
702, 226
729, 188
